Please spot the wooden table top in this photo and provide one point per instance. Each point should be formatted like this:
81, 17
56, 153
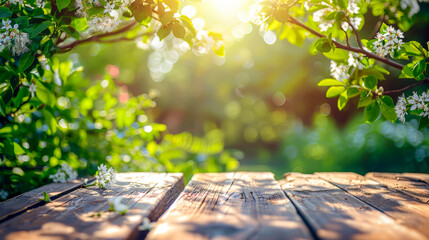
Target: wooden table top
234, 205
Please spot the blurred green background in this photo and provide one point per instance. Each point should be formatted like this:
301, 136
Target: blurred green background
262, 95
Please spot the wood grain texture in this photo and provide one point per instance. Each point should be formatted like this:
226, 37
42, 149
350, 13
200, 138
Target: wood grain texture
83, 214
420, 176
231, 206
29, 200
399, 206
332, 213
412, 186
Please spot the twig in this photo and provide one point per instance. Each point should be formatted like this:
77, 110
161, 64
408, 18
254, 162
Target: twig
356, 33
377, 26
426, 81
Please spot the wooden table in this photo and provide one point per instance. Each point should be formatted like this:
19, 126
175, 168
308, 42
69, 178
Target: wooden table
241, 205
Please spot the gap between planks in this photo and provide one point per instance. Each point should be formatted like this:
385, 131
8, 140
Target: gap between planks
242, 205
401, 207
333, 213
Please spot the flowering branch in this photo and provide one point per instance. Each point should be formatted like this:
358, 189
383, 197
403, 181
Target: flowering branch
96, 38
345, 47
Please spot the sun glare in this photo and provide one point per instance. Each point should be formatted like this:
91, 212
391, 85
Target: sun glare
227, 8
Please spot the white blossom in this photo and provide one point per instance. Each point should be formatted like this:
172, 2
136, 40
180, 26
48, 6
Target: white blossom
258, 14
3, 194
401, 108
355, 60
203, 43
64, 174
104, 24
117, 206
6, 24
339, 71
32, 89
388, 42
353, 7
14, 2
412, 5
105, 177
109, 7
40, 3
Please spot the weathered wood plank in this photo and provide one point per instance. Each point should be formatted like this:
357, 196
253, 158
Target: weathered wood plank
421, 176
83, 214
28, 200
334, 214
231, 206
399, 206
409, 185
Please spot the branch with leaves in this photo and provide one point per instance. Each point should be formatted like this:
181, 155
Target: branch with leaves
354, 69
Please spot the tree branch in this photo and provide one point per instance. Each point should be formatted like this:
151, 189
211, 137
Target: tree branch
96, 38
345, 47
364, 52
356, 33
426, 81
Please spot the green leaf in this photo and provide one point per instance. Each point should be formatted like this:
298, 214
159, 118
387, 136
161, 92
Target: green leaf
370, 82
334, 91
188, 24
164, 31
40, 28
365, 99
323, 45
178, 30
50, 121
337, 54
342, 101
45, 95
220, 51
142, 12
352, 92
330, 82
2, 107
80, 24
25, 61
172, 4
419, 68
17, 149
166, 18
407, 71
388, 108
423, 123
388, 101
61, 4
46, 197
372, 111
5, 12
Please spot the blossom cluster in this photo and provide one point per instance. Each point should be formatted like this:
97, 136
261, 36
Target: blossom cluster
109, 20
64, 174
341, 71
413, 6
388, 41
11, 38
413, 103
258, 13
203, 43
325, 24
117, 206
105, 177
